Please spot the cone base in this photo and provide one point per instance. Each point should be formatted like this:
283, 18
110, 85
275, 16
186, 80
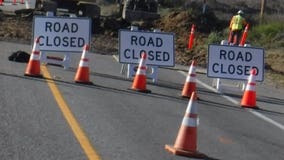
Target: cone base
251, 107
141, 90
33, 75
180, 152
188, 97
83, 82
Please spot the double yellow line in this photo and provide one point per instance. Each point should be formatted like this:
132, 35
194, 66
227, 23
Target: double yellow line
68, 115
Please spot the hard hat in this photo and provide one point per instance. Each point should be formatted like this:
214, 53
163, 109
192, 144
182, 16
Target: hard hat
240, 12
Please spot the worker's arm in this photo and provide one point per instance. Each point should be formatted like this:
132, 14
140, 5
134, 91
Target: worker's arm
231, 23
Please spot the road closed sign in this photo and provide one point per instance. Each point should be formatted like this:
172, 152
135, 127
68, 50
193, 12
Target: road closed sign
234, 62
66, 34
159, 47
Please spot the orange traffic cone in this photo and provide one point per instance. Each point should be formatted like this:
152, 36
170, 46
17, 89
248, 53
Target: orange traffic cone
190, 82
186, 141
191, 37
140, 79
33, 67
82, 74
249, 96
244, 36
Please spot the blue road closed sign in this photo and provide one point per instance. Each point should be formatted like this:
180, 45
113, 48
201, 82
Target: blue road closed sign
235, 62
62, 34
159, 47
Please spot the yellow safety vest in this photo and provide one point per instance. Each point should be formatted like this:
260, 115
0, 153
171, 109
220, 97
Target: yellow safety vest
237, 22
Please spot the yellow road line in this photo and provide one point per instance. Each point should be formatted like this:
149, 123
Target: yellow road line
68, 115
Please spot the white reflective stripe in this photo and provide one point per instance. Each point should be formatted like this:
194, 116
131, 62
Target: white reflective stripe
251, 79
141, 72
191, 70
142, 62
35, 57
84, 54
191, 78
190, 122
83, 64
191, 108
250, 87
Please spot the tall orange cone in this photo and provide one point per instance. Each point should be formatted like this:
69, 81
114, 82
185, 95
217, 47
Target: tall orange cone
33, 67
186, 141
244, 36
82, 74
190, 82
140, 79
191, 37
249, 96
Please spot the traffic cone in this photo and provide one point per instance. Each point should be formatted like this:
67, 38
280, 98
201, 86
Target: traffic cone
244, 36
190, 82
140, 79
82, 74
249, 96
186, 141
1, 2
191, 37
33, 67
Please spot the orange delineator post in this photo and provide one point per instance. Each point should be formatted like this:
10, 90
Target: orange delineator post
244, 36
191, 37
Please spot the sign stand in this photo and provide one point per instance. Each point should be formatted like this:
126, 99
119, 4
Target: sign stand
220, 86
44, 58
152, 71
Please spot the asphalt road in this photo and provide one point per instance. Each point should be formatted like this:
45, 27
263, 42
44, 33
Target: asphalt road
54, 118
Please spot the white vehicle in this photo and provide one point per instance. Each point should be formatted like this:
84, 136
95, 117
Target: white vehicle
130, 10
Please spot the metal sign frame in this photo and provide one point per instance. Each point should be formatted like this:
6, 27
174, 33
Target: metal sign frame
234, 62
159, 47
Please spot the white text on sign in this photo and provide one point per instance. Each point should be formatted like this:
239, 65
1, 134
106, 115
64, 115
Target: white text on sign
235, 62
158, 46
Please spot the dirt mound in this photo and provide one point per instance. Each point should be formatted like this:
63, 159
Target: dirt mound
180, 22
14, 28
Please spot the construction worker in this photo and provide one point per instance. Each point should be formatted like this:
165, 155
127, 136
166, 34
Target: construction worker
236, 27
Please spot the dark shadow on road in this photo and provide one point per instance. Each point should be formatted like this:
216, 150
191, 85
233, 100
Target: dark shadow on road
271, 100
95, 86
220, 105
270, 112
160, 83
